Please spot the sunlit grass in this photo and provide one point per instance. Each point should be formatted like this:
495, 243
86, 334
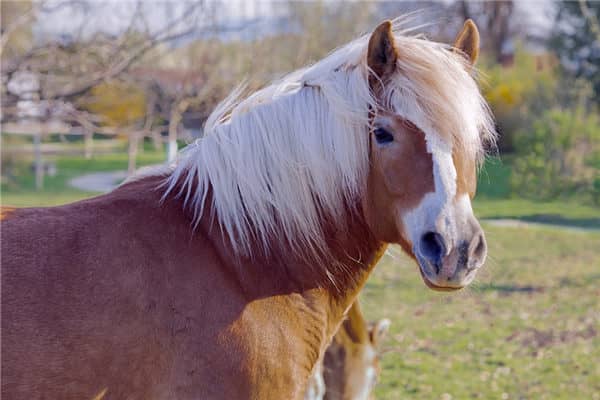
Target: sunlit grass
19, 188
566, 213
527, 329
495, 200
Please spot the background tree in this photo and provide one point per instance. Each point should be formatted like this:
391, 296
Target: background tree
15, 26
576, 39
78, 67
496, 21
71, 65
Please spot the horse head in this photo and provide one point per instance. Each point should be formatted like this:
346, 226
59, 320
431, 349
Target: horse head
424, 153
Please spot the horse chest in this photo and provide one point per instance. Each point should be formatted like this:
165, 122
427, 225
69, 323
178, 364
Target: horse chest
280, 346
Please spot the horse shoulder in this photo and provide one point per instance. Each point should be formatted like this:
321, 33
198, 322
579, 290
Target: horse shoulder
122, 280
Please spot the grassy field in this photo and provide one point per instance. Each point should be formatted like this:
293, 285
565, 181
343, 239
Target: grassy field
18, 185
527, 329
494, 201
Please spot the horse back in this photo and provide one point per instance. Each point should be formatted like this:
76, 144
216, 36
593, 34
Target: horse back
101, 297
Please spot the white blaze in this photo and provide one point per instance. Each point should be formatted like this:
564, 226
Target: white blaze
435, 212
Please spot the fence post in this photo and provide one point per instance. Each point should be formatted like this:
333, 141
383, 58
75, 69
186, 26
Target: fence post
38, 162
88, 142
133, 148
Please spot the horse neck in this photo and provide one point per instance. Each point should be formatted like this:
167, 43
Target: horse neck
334, 281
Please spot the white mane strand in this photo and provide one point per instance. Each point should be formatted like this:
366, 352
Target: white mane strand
280, 160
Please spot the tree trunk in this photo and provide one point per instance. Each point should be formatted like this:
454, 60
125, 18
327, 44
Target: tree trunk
133, 149
88, 143
38, 162
154, 133
173, 126
156, 139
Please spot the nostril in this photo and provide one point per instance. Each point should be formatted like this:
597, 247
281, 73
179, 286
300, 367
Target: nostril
478, 247
432, 247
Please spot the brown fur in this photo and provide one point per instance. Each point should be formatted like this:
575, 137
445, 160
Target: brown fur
467, 41
399, 177
466, 175
117, 297
116, 293
352, 353
382, 53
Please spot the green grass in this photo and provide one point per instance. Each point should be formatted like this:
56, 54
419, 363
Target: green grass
565, 213
528, 329
494, 178
18, 184
494, 200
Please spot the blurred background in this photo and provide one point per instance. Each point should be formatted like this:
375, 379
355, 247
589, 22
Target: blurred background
93, 90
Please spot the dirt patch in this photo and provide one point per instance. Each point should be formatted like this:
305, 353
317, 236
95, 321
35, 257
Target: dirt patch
506, 289
98, 182
535, 339
573, 225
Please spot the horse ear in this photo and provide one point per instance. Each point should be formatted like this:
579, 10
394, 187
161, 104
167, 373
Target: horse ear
467, 41
378, 331
382, 54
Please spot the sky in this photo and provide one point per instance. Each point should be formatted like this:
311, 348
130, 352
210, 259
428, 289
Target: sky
112, 16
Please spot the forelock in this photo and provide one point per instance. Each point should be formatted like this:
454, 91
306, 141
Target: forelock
434, 88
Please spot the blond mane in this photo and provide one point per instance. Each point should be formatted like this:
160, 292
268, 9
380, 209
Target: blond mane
278, 161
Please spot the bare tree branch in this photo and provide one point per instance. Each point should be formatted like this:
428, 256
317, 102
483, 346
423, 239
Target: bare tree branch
26, 18
591, 18
109, 57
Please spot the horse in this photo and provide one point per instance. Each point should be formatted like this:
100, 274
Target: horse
227, 275
350, 367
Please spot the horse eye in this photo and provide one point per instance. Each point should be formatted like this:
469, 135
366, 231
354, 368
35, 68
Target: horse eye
383, 136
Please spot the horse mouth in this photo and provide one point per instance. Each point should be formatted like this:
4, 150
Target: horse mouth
435, 287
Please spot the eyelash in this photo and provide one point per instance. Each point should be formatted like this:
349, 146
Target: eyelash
382, 136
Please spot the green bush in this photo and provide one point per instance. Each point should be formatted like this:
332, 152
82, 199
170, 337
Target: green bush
559, 156
518, 92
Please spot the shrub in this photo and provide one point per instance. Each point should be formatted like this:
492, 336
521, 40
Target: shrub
119, 104
519, 92
559, 156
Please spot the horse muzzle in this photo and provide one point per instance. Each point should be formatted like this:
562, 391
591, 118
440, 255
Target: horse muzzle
446, 268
